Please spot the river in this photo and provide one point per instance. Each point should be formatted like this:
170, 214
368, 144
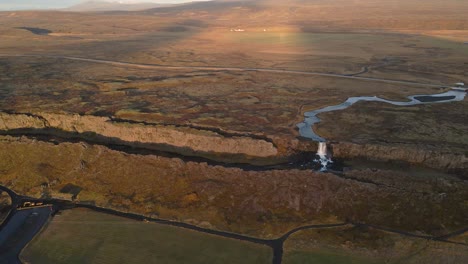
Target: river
306, 127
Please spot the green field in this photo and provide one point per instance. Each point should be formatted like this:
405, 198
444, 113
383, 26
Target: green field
83, 236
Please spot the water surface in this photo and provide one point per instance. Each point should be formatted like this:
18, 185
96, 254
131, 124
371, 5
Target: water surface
306, 127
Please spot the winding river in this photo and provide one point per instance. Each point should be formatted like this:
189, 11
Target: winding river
306, 127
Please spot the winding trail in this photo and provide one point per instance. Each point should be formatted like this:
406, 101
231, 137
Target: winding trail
305, 129
220, 68
20, 226
364, 69
14, 197
275, 244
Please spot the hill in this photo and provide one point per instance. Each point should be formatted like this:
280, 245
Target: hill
95, 6
396, 14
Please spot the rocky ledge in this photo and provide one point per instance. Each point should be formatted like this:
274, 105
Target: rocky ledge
413, 154
219, 145
181, 140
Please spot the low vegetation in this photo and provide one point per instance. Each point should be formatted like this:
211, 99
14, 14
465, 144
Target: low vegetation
5, 205
411, 40
367, 245
82, 236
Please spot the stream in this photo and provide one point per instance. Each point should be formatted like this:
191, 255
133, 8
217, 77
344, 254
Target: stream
311, 118
306, 128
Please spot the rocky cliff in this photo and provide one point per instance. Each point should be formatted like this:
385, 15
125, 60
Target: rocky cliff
222, 146
182, 140
424, 155
259, 203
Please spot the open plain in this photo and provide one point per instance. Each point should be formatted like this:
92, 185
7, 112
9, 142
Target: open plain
189, 113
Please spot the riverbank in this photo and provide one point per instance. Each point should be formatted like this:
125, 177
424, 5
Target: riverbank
306, 128
230, 149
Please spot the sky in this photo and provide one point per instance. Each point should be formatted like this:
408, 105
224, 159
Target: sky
46, 4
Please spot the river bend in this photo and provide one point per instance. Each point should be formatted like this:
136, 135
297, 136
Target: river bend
306, 127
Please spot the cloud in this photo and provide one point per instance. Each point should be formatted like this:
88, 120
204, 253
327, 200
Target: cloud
36, 4
51, 4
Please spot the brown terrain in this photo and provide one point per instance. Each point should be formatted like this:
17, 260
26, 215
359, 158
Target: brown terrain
5, 206
168, 112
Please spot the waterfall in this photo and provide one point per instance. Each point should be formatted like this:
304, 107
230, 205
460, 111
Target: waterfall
322, 149
323, 154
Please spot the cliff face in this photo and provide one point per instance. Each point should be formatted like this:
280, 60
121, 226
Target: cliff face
437, 159
259, 203
228, 147
433, 135
179, 139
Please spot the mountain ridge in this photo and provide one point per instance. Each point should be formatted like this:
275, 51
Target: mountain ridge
99, 6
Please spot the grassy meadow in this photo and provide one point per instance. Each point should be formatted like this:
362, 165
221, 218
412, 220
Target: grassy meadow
83, 236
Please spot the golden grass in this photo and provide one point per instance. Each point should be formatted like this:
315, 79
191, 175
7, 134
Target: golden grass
83, 236
367, 245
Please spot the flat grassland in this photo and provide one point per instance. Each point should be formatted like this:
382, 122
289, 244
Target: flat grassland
359, 38
84, 236
367, 245
409, 40
263, 204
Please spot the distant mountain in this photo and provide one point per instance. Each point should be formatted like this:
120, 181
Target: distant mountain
312, 15
96, 6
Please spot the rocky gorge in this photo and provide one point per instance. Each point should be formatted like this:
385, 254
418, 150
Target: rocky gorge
218, 145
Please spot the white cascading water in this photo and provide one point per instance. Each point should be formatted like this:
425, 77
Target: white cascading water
322, 152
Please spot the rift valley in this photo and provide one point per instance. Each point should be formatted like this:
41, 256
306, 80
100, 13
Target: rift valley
189, 113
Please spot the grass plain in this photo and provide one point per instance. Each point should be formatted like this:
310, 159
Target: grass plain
242, 101
412, 40
367, 245
258, 203
83, 236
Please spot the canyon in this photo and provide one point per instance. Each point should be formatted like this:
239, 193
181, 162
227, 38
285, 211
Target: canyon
343, 114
